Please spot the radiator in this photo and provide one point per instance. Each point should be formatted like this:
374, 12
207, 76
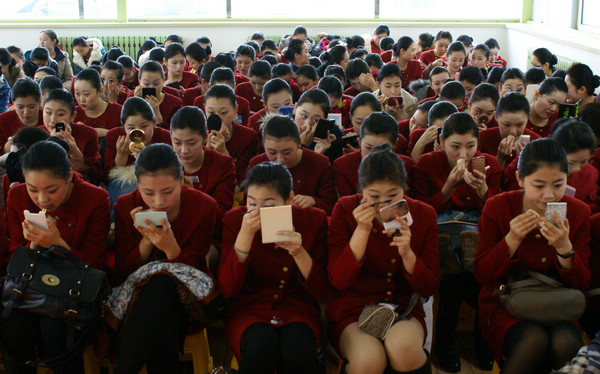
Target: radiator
563, 62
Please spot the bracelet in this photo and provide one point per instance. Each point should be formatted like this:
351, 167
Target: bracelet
240, 251
566, 255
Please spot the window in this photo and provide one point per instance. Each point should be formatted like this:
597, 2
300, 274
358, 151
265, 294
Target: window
176, 9
443, 9
279, 9
590, 9
59, 9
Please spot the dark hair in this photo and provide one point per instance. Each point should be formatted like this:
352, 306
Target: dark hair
337, 54
40, 54
273, 86
48, 70
512, 102
260, 68
189, 117
112, 54
222, 74
358, 53
581, 75
50, 82
452, 90
373, 59
484, 48
280, 127
357, 67
386, 43
5, 57
332, 86
426, 106
439, 110
544, 55
542, 152
245, 50
314, 61
156, 54
158, 158
91, 76
203, 40
152, 67
257, 36
63, 96
512, 73
380, 123
317, 97
80, 41
381, 165
25, 87
268, 44
114, 66
466, 40
535, 75
590, 114
389, 70
438, 70
268, 57
471, 74
225, 59
51, 34
300, 30
28, 136
574, 135
254, 44
209, 68
549, 85
272, 174
443, 35
426, 39
495, 74
126, 61
137, 106
456, 47
355, 41
15, 49
559, 73
295, 47
485, 91
365, 98
308, 71
47, 156
196, 51
461, 124
382, 29
146, 46
221, 91
492, 43
174, 38
280, 70
173, 50
403, 43
336, 70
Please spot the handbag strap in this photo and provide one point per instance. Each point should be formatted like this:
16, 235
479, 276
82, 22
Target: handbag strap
545, 279
23, 280
414, 299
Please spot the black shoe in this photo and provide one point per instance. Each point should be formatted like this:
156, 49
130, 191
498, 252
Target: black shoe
448, 357
485, 355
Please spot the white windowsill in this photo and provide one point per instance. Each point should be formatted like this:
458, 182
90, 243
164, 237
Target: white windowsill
574, 38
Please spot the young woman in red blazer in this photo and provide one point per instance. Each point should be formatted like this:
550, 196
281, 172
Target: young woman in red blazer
368, 264
273, 320
156, 323
544, 109
78, 218
176, 61
515, 236
404, 52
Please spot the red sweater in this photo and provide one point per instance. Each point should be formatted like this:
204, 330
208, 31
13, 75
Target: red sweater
193, 230
83, 220
431, 173
188, 80
243, 108
544, 132
380, 275
493, 266
10, 124
111, 117
414, 137
169, 106
269, 284
312, 177
375, 47
386, 56
190, 94
246, 91
412, 72
428, 57
489, 140
351, 91
242, 146
255, 120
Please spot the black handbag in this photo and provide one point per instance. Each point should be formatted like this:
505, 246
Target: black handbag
55, 283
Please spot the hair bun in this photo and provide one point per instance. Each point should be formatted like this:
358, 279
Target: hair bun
381, 148
553, 60
596, 81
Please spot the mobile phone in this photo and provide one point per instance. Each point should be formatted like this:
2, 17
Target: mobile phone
566, 110
148, 91
524, 139
351, 140
155, 218
559, 209
58, 127
478, 163
213, 123
286, 111
273, 220
36, 219
439, 135
337, 117
570, 191
174, 85
323, 126
395, 101
390, 212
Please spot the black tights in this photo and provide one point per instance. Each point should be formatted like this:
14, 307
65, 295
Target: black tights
530, 347
154, 331
288, 349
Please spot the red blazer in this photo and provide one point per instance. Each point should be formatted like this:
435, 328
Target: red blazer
239, 78
428, 57
190, 94
246, 91
431, 173
160, 136
490, 139
133, 84
83, 220
412, 72
543, 132
312, 176
414, 137
375, 47
296, 92
404, 128
216, 178
269, 284
169, 106
492, 265
242, 146
346, 102
386, 56
401, 146
243, 108
351, 91
10, 124
193, 230
188, 80
255, 120
345, 171
595, 161
111, 117
380, 275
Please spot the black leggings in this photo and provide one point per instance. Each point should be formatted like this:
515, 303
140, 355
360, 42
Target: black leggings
27, 336
155, 330
530, 347
288, 349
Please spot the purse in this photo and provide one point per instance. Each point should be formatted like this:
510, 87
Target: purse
377, 319
55, 283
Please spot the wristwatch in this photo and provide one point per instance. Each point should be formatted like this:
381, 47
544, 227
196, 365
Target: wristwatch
566, 255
